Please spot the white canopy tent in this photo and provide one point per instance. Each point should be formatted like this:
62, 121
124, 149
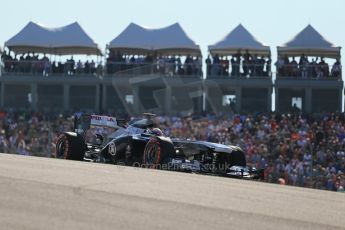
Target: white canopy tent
171, 40
311, 43
239, 39
67, 40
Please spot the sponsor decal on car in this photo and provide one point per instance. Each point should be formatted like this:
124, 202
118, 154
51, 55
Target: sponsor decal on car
112, 149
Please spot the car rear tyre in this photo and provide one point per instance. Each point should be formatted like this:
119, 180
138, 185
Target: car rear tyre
70, 147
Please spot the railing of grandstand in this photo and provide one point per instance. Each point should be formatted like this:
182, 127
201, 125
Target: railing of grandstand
163, 69
238, 71
47, 68
310, 72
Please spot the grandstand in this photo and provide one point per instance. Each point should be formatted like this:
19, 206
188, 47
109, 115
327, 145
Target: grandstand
314, 87
160, 70
249, 92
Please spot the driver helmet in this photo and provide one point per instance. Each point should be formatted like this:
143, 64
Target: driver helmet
156, 132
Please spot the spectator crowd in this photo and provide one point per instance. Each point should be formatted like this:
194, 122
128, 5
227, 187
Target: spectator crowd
294, 149
289, 67
306, 151
32, 63
245, 65
238, 65
150, 64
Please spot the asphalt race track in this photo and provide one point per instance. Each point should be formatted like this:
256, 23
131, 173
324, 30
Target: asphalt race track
41, 193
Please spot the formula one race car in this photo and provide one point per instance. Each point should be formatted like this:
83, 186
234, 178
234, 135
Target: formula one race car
139, 143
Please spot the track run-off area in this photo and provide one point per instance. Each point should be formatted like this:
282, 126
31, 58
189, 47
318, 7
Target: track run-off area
42, 193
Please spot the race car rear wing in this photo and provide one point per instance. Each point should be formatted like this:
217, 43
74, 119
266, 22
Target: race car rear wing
103, 121
83, 122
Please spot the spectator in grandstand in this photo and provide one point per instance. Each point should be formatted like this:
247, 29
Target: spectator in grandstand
197, 65
87, 67
215, 65
236, 65
92, 67
246, 63
46, 65
179, 66
99, 70
303, 65
324, 69
254, 65
188, 65
161, 65
268, 67
313, 68
293, 68
9, 62
69, 66
208, 63
79, 67
280, 66
259, 67
336, 69
224, 66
